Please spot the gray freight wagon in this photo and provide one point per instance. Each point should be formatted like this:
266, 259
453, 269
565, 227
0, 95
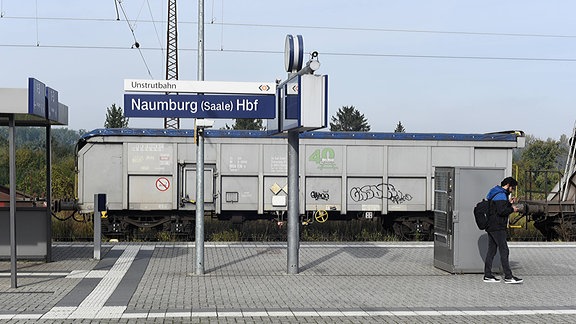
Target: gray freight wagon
149, 175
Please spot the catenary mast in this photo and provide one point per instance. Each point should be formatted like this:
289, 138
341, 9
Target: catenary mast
172, 56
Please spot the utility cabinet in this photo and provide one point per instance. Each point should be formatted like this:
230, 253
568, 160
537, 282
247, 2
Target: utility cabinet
33, 233
459, 246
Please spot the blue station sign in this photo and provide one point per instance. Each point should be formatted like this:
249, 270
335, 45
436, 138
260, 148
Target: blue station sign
36, 98
52, 104
43, 101
200, 106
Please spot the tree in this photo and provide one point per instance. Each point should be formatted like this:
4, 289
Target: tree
247, 124
349, 119
115, 118
31, 160
539, 156
400, 128
542, 155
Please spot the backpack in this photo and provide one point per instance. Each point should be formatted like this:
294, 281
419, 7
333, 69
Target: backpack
482, 212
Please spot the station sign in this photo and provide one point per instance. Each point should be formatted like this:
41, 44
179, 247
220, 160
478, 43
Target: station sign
52, 106
200, 106
43, 102
302, 104
36, 98
180, 86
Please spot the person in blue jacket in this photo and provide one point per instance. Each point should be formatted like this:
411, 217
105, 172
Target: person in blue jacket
501, 208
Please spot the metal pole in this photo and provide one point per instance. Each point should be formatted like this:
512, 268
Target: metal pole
293, 206
49, 193
200, 154
12, 157
200, 204
200, 40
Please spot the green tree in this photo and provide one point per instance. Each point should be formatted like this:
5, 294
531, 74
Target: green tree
349, 119
31, 171
63, 162
63, 174
247, 124
4, 171
400, 128
115, 118
537, 157
31, 160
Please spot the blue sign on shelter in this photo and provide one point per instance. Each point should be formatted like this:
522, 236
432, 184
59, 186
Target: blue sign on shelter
36, 98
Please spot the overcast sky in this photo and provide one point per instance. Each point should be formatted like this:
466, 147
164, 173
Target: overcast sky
436, 66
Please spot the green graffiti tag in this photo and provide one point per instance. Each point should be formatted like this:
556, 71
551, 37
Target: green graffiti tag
324, 158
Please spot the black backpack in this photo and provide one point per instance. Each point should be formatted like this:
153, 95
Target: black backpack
482, 212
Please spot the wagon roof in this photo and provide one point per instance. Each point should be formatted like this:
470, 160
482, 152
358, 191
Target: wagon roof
505, 136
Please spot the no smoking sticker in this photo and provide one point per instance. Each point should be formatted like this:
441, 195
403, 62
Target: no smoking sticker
162, 184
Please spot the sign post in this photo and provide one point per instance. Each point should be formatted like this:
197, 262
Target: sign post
12, 154
293, 204
200, 153
302, 107
199, 200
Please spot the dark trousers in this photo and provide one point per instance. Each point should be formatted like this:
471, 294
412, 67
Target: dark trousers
497, 242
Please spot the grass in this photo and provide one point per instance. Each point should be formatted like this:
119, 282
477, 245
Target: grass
525, 232
74, 228
81, 229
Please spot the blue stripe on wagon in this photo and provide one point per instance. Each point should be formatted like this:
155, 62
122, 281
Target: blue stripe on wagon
506, 136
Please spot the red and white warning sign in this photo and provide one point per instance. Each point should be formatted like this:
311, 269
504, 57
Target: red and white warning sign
162, 184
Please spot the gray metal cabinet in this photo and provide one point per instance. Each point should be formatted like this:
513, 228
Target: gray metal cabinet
459, 246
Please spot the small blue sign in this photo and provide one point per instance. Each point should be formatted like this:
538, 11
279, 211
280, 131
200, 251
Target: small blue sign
36, 98
52, 103
200, 106
293, 98
302, 103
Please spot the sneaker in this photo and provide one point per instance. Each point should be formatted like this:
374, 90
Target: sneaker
513, 280
491, 279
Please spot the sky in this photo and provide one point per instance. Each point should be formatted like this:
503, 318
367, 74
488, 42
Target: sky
446, 66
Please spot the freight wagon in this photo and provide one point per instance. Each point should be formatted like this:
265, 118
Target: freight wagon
149, 175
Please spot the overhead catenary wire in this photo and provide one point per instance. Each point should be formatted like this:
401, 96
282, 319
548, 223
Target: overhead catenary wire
117, 13
140, 12
136, 44
339, 28
384, 55
155, 29
357, 54
213, 21
222, 28
37, 32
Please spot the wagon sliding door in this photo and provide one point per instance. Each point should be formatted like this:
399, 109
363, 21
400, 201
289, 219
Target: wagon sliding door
188, 193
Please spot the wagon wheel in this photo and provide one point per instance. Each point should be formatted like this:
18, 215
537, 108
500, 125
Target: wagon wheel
321, 216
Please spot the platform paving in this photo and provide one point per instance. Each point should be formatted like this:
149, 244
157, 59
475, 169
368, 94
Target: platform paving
374, 282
